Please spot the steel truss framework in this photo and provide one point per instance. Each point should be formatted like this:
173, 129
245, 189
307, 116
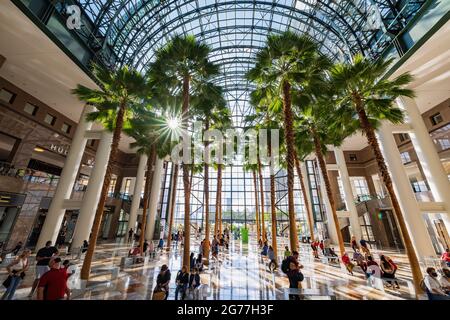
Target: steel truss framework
129, 31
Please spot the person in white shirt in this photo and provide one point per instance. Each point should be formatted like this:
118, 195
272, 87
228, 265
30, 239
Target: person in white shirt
434, 287
444, 280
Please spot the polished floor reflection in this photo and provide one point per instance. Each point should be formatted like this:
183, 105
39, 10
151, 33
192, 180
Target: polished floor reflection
239, 274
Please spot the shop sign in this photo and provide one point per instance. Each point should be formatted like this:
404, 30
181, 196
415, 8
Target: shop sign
59, 149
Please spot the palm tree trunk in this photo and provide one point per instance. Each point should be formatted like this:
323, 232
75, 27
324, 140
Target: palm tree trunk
373, 142
86, 268
147, 190
272, 202
206, 194
172, 203
220, 202
289, 137
258, 232
305, 198
261, 187
218, 192
326, 180
186, 183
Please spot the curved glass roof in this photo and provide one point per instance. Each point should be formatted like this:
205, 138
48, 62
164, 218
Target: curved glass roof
133, 29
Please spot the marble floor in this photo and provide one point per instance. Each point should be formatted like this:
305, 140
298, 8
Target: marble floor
240, 274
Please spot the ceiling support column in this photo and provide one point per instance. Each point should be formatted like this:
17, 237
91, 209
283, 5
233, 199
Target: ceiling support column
138, 187
154, 198
348, 193
331, 224
402, 186
63, 191
429, 159
92, 195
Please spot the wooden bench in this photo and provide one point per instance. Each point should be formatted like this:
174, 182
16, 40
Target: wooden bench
130, 261
327, 259
302, 293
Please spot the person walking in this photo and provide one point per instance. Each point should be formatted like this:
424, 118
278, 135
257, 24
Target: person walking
85, 246
43, 257
294, 274
53, 284
182, 282
194, 282
314, 249
199, 262
354, 244
161, 244
287, 253
192, 260
16, 272
273, 265
130, 235
144, 248
347, 263
364, 248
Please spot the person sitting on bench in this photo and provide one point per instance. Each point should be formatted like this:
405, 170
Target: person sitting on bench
388, 269
135, 253
332, 254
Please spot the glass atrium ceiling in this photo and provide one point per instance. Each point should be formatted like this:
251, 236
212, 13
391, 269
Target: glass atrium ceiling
131, 31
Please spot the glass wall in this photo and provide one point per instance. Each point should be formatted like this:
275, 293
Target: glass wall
238, 199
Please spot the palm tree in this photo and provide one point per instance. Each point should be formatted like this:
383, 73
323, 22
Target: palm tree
288, 62
121, 93
261, 190
265, 101
222, 124
253, 168
153, 137
182, 64
209, 106
368, 97
316, 127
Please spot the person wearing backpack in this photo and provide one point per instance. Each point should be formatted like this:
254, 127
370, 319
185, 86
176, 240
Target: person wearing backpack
294, 274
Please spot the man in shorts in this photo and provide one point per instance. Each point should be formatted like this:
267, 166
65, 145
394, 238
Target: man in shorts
43, 257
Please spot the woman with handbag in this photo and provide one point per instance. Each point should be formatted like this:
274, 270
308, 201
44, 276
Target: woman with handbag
16, 272
161, 291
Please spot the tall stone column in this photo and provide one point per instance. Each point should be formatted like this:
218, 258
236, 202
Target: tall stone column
402, 186
92, 195
428, 156
154, 198
63, 191
348, 193
138, 186
330, 220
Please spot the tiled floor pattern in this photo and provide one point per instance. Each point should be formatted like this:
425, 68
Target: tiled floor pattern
240, 274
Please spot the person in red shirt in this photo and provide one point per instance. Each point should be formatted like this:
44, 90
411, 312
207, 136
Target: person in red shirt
445, 258
348, 264
53, 284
